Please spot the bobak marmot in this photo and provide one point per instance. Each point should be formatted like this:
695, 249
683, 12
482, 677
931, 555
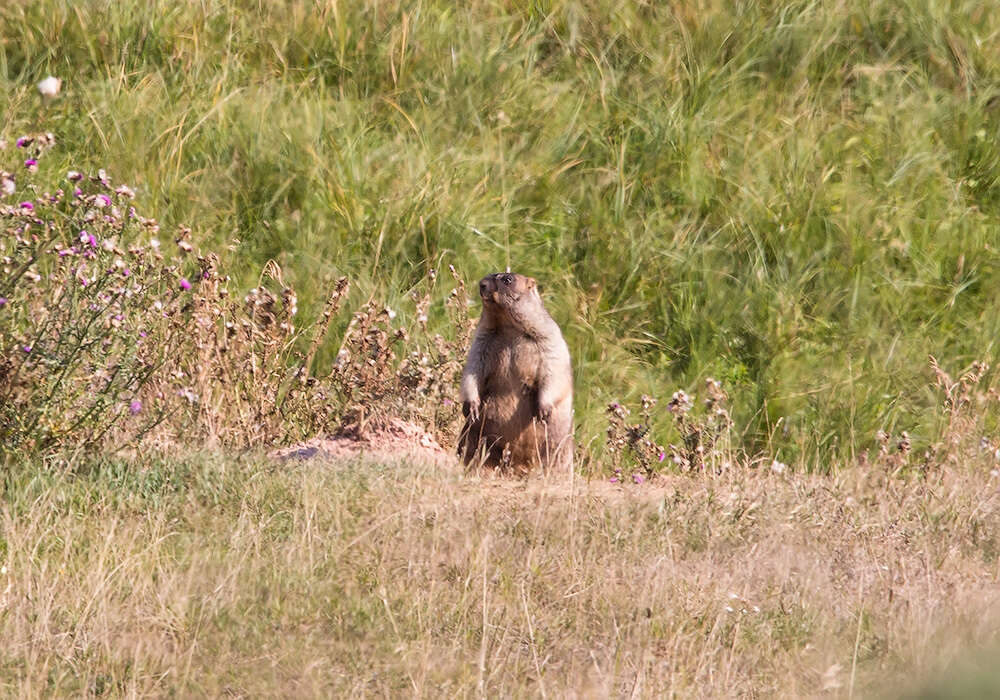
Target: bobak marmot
517, 387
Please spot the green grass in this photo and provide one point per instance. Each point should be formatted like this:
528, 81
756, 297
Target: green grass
798, 198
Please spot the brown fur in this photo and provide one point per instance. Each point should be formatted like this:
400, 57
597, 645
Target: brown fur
517, 387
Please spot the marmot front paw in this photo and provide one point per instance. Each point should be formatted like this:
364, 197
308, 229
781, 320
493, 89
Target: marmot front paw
470, 409
544, 412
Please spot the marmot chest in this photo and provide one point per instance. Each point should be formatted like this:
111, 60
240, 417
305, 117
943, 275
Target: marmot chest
515, 365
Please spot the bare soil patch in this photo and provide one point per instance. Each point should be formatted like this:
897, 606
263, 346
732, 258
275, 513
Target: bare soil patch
393, 440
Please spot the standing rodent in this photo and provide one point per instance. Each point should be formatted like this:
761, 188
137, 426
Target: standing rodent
517, 387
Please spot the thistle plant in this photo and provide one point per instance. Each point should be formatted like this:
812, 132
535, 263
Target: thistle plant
633, 454
705, 434
385, 370
109, 336
91, 310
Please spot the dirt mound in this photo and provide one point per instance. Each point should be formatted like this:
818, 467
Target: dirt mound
394, 440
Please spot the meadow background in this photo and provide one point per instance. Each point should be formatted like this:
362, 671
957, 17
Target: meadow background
798, 199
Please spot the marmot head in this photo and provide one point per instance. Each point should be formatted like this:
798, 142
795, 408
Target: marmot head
509, 294
505, 288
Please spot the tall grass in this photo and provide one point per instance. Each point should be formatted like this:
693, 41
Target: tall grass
798, 199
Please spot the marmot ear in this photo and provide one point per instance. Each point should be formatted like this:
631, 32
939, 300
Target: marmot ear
534, 289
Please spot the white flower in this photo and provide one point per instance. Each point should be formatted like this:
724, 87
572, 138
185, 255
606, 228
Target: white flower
778, 467
50, 86
680, 403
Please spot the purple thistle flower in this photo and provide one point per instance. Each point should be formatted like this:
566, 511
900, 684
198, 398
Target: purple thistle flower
185, 285
135, 407
613, 480
22, 142
26, 348
3, 301
126, 272
77, 192
102, 200
74, 176
31, 164
28, 206
663, 455
638, 478
142, 334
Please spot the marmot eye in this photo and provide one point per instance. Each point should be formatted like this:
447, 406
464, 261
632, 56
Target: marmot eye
507, 279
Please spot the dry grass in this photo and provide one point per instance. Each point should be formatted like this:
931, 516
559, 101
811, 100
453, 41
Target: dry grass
222, 576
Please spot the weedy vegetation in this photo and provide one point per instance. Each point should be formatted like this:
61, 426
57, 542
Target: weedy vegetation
769, 233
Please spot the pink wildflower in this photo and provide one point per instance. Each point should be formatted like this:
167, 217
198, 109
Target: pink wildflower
185, 285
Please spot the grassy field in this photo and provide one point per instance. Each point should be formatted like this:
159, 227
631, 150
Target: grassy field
797, 199
216, 576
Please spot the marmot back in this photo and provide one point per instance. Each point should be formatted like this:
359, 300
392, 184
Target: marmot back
517, 387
